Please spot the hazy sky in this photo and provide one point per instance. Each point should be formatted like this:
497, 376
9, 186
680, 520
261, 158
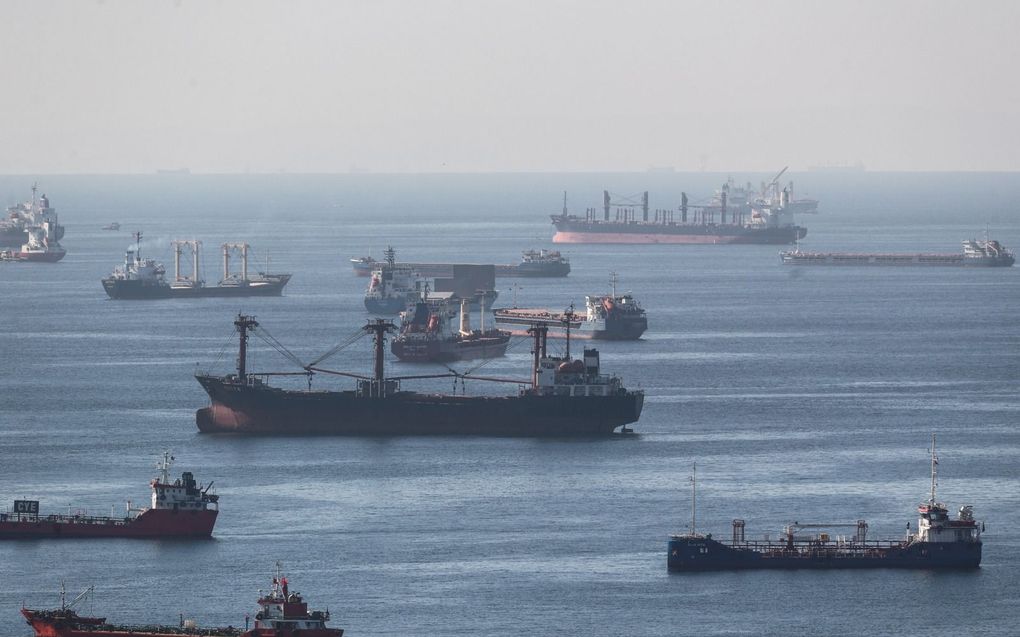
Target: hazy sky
132, 86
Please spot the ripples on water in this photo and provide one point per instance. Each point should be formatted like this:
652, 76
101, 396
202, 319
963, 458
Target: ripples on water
802, 394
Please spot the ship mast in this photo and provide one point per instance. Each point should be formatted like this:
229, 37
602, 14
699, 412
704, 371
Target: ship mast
539, 333
164, 468
243, 323
568, 317
612, 279
379, 327
934, 471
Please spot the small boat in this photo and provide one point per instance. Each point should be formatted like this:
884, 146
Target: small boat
112, 226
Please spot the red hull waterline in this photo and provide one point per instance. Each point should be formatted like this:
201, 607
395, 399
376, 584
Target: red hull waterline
152, 523
621, 237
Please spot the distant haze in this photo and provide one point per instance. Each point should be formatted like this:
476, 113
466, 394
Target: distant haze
443, 86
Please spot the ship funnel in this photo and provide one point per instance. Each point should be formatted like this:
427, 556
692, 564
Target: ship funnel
465, 317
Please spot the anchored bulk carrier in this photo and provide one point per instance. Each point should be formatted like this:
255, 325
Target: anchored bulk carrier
146, 279
22, 217
768, 222
282, 613
940, 543
180, 508
609, 317
565, 397
979, 254
426, 335
534, 263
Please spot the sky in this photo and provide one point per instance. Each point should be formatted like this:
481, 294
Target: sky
213, 86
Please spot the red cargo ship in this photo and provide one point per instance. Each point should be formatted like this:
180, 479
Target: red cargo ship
180, 508
282, 614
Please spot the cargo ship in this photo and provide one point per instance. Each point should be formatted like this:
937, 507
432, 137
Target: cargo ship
939, 543
976, 253
534, 263
180, 508
743, 199
426, 335
142, 278
564, 398
610, 317
39, 248
768, 223
22, 217
282, 613
396, 287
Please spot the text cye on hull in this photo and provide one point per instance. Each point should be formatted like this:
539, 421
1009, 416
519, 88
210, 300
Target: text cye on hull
565, 397
281, 613
940, 543
181, 508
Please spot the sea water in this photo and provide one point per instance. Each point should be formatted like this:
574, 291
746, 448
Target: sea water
803, 394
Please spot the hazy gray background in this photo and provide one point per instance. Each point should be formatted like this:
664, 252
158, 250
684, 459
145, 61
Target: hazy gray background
507, 86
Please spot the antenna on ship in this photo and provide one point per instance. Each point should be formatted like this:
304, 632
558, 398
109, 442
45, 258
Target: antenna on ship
694, 499
934, 471
164, 467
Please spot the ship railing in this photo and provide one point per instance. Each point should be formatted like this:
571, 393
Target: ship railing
805, 546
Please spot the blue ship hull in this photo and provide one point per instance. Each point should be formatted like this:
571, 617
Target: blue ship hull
695, 554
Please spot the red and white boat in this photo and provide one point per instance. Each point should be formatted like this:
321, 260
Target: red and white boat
180, 508
281, 614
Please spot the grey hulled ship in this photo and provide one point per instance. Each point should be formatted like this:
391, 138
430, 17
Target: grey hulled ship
395, 287
939, 543
533, 264
610, 317
15, 229
565, 397
142, 278
976, 254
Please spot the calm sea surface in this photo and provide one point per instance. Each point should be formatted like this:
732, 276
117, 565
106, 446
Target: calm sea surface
803, 394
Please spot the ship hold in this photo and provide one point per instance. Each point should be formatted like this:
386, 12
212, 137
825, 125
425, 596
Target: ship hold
976, 254
180, 508
23, 217
769, 222
146, 279
426, 335
282, 613
939, 543
565, 397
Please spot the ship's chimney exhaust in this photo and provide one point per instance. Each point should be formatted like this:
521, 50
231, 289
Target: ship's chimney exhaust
465, 317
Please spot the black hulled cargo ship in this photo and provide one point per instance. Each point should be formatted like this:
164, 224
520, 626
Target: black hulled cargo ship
146, 279
767, 223
564, 398
939, 543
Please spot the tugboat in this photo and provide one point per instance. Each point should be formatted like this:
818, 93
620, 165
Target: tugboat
14, 230
282, 613
940, 543
611, 317
180, 508
142, 278
392, 288
425, 335
564, 398
39, 248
